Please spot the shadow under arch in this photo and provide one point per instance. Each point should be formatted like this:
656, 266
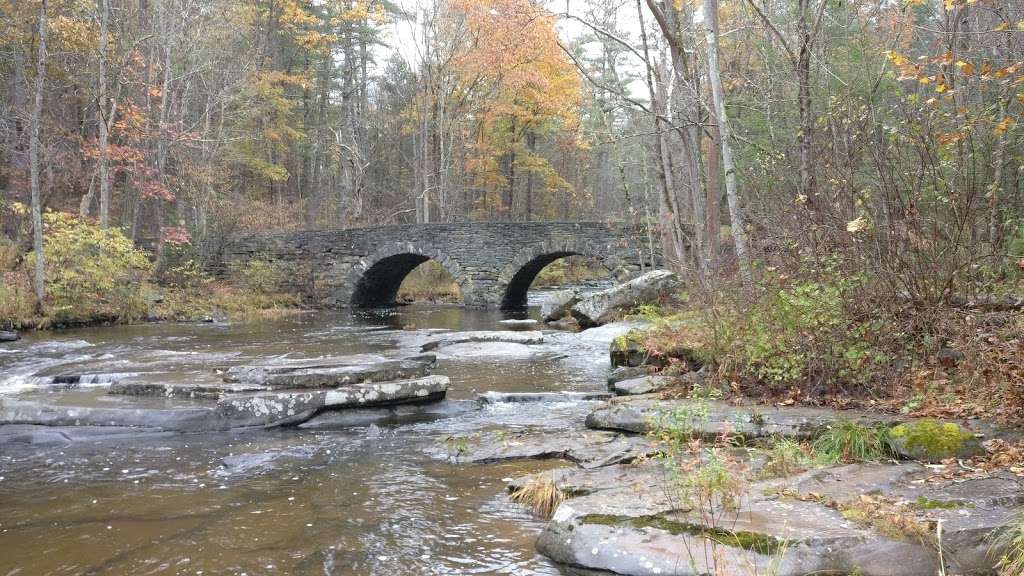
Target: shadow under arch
515, 280
375, 281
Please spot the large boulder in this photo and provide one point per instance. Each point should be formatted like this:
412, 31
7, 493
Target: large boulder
603, 307
558, 304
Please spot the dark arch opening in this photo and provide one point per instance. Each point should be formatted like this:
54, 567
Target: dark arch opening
379, 285
517, 289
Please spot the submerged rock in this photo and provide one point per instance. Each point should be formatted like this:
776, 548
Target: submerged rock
9, 336
400, 414
557, 305
603, 307
499, 397
14, 411
505, 336
519, 324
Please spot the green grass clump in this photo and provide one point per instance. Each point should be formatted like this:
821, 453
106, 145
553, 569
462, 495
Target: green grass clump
1009, 541
847, 442
785, 458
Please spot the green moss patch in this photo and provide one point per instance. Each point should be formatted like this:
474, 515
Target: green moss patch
929, 439
752, 541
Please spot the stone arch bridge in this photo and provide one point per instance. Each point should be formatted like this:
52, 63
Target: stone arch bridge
493, 263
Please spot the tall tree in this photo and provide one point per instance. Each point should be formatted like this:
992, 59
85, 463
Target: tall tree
35, 122
739, 235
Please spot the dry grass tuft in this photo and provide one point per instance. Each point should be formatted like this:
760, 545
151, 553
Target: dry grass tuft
541, 495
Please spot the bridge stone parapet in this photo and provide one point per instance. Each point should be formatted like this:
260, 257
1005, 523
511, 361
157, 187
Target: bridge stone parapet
493, 263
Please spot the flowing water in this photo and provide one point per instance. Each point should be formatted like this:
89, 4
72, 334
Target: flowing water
367, 500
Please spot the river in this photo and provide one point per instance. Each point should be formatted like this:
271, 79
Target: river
378, 499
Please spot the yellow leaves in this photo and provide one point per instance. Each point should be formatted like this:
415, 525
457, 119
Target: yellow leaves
1001, 27
896, 58
1020, 98
966, 68
858, 225
942, 86
1004, 125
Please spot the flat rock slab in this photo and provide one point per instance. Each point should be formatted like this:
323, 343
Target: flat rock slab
295, 406
46, 435
500, 397
638, 415
175, 390
390, 415
588, 449
313, 375
641, 385
506, 336
14, 411
627, 522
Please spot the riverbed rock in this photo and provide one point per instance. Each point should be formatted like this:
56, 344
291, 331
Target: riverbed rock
9, 336
287, 407
320, 375
390, 415
516, 397
505, 336
620, 373
603, 307
751, 421
557, 305
641, 385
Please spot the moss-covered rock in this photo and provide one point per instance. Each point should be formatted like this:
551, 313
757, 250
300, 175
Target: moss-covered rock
930, 440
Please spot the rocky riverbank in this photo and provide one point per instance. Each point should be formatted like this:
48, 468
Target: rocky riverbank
634, 505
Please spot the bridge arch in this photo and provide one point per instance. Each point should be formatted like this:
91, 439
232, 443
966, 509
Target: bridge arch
374, 281
515, 279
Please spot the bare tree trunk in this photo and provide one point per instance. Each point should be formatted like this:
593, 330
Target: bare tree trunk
739, 236
711, 214
102, 126
35, 120
803, 78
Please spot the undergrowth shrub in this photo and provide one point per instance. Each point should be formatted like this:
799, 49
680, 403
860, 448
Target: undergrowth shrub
258, 274
91, 274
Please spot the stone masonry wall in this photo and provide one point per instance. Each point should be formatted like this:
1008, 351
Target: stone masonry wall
483, 257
